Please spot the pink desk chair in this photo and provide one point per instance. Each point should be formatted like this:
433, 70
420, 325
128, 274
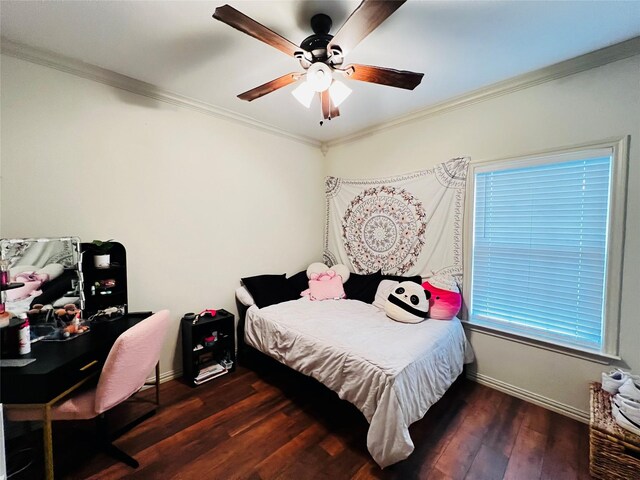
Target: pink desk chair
133, 356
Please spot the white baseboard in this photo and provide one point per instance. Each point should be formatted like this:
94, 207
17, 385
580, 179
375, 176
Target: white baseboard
164, 377
537, 399
170, 375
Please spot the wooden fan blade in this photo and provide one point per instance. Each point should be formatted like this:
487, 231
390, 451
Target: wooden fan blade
384, 76
334, 112
269, 87
329, 110
238, 20
364, 20
325, 101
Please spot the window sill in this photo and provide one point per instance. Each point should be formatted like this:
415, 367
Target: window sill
602, 358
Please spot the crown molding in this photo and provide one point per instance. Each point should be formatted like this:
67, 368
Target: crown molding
123, 82
597, 58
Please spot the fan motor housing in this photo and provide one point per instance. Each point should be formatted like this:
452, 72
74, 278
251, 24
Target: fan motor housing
317, 43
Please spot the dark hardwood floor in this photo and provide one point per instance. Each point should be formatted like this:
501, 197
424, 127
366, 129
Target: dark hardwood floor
279, 425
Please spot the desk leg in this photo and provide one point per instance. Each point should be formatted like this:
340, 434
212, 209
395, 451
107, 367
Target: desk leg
47, 433
158, 383
48, 443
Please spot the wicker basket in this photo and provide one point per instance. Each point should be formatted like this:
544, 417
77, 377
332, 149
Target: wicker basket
614, 452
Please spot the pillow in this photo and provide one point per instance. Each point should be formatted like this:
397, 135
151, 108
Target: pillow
445, 301
326, 286
18, 269
54, 270
318, 268
243, 296
29, 289
297, 283
57, 288
363, 287
397, 278
384, 289
408, 303
268, 289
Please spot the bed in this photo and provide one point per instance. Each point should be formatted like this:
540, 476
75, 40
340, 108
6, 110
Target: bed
392, 372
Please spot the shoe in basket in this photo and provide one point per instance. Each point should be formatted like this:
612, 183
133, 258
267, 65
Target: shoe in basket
631, 388
626, 413
613, 380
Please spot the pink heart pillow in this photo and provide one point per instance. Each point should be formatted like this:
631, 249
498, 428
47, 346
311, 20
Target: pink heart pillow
326, 287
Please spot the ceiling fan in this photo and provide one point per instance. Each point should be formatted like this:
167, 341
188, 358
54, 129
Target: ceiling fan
321, 55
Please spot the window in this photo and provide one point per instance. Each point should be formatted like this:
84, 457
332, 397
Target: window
541, 256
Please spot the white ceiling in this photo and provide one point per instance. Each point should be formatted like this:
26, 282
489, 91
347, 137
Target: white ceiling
459, 45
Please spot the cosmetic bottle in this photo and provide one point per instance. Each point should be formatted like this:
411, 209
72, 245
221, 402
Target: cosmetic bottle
24, 337
4, 280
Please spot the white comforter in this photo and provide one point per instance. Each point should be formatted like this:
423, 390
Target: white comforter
393, 372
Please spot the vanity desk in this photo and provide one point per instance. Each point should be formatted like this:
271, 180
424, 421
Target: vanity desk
59, 366
58, 275
59, 369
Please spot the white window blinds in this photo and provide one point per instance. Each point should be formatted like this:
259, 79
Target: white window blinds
540, 249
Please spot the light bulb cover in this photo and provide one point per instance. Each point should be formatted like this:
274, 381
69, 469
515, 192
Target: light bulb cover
304, 94
319, 76
338, 92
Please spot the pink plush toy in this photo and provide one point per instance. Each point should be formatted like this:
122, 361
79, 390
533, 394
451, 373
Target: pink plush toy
326, 283
445, 301
326, 286
31, 288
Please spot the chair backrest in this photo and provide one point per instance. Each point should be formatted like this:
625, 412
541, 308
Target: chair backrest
132, 357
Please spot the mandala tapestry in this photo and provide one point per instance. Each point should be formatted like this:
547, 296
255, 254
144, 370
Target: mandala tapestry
405, 225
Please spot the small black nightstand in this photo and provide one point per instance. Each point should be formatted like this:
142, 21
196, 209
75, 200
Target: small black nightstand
195, 359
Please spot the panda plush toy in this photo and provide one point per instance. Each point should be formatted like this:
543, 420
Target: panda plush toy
408, 303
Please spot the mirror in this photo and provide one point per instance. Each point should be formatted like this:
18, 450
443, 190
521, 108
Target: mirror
48, 268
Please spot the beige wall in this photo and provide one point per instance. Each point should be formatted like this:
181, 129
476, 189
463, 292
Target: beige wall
590, 106
198, 201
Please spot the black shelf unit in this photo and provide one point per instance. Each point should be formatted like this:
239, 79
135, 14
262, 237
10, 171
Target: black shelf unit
193, 361
95, 297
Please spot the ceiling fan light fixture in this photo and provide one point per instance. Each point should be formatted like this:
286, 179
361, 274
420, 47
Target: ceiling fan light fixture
304, 94
319, 77
322, 54
339, 92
